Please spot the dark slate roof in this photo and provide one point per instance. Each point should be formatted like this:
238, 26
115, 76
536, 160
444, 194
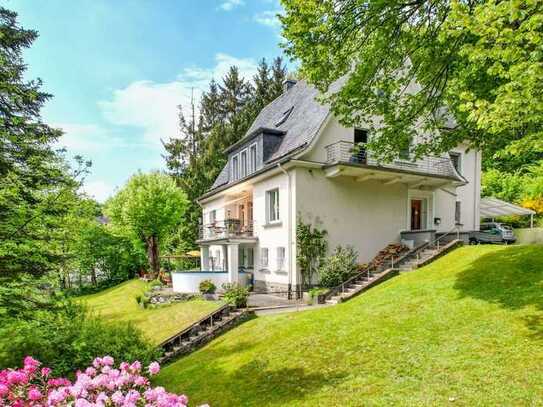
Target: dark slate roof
301, 126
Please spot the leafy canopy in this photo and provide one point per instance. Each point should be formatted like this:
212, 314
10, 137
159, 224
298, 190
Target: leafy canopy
148, 205
421, 63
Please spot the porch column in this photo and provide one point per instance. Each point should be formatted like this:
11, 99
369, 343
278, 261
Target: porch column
204, 258
233, 263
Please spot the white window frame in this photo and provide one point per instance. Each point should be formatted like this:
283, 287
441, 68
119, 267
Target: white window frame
458, 212
212, 216
273, 214
264, 256
459, 156
281, 254
235, 167
243, 163
252, 163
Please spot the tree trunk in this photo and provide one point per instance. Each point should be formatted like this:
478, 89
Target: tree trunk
153, 256
93, 276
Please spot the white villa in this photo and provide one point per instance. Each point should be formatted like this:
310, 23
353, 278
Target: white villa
296, 161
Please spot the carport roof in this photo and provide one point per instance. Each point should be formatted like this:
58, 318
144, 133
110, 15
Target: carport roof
494, 207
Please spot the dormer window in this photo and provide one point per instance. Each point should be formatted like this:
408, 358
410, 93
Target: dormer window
252, 158
284, 117
235, 167
243, 163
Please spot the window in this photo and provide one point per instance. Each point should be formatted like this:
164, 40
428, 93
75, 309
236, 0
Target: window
280, 258
235, 167
360, 136
272, 204
250, 258
457, 212
456, 159
243, 163
284, 117
405, 150
264, 257
252, 158
360, 141
212, 216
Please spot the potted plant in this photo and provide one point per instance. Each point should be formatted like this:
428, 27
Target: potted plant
207, 289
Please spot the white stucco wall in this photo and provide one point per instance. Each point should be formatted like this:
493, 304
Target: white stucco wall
367, 215
271, 236
470, 194
189, 282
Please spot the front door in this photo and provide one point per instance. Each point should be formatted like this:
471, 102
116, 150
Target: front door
416, 214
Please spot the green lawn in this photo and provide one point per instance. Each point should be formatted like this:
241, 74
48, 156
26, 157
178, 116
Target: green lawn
466, 330
119, 304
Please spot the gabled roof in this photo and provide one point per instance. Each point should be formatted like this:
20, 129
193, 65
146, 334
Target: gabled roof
300, 127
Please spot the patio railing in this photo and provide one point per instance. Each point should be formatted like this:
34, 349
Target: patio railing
348, 152
228, 228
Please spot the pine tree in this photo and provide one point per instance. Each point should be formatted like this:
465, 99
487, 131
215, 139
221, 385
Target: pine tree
34, 179
227, 110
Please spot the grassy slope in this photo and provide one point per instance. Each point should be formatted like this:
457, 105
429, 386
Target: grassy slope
119, 304
467, 328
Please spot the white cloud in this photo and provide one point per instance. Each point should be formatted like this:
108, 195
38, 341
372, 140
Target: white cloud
268, 18
228, 5
85, 138
99, 190
153, 106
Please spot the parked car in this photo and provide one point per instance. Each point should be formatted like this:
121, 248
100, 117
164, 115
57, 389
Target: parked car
493, 232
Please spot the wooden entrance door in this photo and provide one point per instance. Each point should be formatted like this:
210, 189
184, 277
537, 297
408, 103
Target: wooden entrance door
416, 214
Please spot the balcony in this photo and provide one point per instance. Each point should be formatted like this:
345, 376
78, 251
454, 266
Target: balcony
344, 153
227, 229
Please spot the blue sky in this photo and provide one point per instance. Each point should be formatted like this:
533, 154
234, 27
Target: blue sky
118, 69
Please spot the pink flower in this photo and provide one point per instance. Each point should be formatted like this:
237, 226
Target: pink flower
16, 377
97, 362
31, 364
45, 371
107, 360
3, 390
154, 368
124, 366
83, 403
136, 366
117, 398
141, 381
90, 371
34, 394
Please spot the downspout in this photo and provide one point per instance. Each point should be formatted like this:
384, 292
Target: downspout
289, 228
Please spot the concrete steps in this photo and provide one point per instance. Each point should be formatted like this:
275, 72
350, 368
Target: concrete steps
201, 332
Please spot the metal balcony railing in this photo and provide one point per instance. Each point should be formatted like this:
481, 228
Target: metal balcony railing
226, 229
347, 152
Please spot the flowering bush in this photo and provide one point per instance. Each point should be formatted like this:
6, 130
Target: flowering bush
101, 384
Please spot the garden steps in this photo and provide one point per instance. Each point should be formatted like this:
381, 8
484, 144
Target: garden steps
202, 331
367, 279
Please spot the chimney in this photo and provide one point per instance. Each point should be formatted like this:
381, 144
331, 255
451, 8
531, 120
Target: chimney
289, 83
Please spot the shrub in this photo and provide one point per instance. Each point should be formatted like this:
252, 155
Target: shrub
69, 339
314, 293
207, 287
155, 283
98, 385
235, 295
338, 267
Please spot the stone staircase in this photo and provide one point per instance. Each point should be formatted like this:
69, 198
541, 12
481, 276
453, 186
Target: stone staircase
202, 331
358, 284
371, 275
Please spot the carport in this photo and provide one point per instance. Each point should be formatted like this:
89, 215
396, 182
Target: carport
491, 208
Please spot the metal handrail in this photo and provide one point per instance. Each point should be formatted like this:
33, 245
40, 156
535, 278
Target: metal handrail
187, 330
435, 242
347, 152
